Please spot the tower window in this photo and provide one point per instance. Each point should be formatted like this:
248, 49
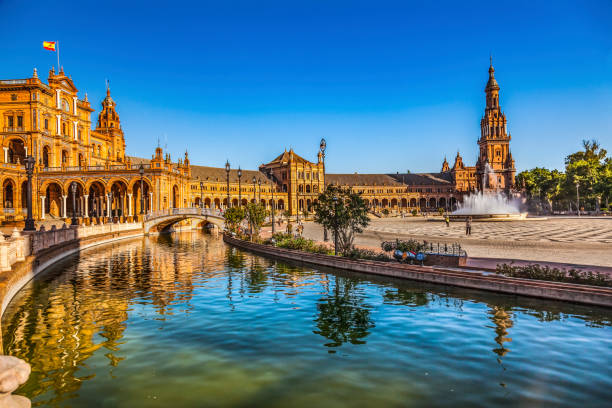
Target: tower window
46, 124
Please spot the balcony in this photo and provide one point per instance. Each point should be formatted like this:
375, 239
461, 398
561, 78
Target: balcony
14, 129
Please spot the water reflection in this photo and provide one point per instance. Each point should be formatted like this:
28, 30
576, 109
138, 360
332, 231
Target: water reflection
117, 312
343, 316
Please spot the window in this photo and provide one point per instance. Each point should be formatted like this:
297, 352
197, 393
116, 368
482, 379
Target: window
80, 138
63, 129
65, 105
10, 121
46, 124
19, 121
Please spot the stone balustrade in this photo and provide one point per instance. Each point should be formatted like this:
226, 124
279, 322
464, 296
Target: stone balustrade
19, 246
13, 250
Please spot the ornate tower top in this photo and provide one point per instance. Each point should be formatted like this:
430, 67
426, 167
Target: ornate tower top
108, 117
445, 166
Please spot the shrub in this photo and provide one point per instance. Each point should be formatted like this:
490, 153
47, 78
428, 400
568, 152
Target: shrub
357, 253
404, 246
385, 211
547, 273
414, 213
288, 241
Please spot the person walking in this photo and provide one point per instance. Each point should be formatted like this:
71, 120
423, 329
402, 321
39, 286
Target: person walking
468, 226
447, 221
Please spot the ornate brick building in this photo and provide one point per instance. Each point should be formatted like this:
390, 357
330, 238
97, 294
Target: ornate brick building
51, 123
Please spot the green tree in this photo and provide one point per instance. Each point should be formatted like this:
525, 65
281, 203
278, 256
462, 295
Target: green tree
343, 212
233, 217
256, 215
590, 169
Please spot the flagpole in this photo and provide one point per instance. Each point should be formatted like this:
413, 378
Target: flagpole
58, 64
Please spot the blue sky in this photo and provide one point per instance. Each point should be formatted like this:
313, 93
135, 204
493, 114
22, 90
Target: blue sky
392, 86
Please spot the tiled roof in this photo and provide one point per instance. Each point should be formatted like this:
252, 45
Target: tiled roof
284, 157
139, 160
357, 179
360, 179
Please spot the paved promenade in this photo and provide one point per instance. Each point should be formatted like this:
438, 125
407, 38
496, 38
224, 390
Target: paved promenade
585, 241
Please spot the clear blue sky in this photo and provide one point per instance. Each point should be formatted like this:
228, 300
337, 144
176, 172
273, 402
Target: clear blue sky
390, 85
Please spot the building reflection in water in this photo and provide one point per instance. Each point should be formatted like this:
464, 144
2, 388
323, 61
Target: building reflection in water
77, 315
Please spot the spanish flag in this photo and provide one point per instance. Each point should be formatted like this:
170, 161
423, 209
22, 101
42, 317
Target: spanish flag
49, 45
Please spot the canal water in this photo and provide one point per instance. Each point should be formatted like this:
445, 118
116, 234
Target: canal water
185, 321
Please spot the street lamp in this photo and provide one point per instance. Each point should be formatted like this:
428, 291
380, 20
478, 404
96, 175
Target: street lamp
30, 162
297, 197
259, 185
227, 172
273, 207
239, 187
141, 172
73, 189
322, 147
335, 225
254, 192
201, 196
578, 197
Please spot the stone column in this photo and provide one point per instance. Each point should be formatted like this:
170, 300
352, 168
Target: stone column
64, 206
130, 205
86, 197
150, 201
108, 206
42, 207
5, 154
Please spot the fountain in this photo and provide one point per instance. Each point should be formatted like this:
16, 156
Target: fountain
489, 206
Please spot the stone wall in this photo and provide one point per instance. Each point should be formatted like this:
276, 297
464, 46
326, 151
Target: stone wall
436, 274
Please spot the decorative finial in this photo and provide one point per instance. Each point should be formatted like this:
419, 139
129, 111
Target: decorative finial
85, 100
107, 87
35, 75
61, 69
490, 59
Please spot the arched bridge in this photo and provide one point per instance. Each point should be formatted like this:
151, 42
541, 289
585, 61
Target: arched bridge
164, 219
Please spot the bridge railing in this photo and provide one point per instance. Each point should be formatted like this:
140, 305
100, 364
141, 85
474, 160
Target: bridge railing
183, 211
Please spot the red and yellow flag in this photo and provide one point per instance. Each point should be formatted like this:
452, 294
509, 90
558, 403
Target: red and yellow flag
49, 45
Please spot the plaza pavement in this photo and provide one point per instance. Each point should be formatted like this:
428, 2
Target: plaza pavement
571, 241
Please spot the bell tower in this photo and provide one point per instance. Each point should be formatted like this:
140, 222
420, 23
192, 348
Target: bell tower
109, 126
495, 167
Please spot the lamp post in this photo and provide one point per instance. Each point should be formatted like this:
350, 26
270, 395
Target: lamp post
73, 189
201, 196
30, 162
322, 147
141, 171
297, 198
259, 185
273, 207
239, 187
335, 225
254, 192
227, 172
578, 197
